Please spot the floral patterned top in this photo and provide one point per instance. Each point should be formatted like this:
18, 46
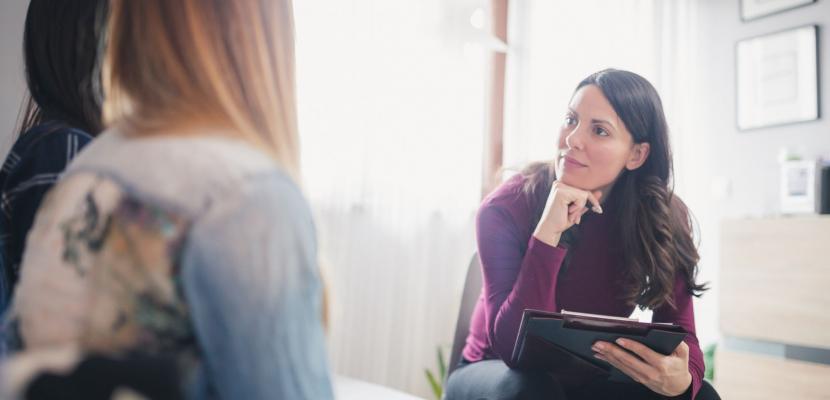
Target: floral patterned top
197, 247
132, 256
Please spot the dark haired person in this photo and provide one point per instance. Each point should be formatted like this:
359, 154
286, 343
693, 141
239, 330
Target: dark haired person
62, 115
596, 230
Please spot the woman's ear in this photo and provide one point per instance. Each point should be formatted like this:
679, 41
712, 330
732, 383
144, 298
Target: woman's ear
639, 155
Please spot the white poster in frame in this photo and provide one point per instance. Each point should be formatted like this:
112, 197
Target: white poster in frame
777, 78
751, 9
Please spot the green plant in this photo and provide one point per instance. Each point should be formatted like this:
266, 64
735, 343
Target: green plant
709, 362
437, 382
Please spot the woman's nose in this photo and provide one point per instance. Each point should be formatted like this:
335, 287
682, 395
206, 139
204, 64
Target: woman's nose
574, 139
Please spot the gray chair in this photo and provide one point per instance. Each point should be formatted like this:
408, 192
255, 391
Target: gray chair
472, 291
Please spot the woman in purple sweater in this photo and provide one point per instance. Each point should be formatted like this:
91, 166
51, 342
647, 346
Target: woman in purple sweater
596, 230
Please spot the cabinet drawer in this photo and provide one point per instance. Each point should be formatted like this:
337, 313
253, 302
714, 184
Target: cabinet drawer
775, 280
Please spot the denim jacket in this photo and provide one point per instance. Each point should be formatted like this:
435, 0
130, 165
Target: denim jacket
195, 246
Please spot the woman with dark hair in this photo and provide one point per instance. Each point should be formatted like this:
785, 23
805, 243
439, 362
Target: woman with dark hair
596, 230
62, 114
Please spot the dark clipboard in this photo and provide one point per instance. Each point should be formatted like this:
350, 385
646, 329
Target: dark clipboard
561, 343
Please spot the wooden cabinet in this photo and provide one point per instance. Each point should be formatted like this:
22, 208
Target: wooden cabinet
745, 375
775, 292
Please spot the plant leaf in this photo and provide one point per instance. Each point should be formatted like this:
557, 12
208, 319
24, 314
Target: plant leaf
709, 362
436, 387
442, 365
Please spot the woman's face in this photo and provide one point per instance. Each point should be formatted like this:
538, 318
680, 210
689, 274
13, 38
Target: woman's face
594, 144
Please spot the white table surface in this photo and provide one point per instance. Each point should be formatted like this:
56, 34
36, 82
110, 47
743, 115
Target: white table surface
353, 389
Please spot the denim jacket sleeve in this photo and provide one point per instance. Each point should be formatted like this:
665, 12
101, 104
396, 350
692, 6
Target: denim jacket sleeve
251, 278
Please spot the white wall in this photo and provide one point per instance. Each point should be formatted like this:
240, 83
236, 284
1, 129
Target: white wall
748, 158
12, 85
714, 152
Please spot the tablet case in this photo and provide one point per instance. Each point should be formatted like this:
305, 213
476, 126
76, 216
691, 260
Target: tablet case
561, 343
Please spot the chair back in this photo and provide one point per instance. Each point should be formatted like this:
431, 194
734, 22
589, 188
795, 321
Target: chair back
469, 298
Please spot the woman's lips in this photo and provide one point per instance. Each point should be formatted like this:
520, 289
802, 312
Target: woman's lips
571, 162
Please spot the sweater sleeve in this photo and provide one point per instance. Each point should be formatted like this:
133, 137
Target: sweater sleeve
251, 280
683, 314
514, 280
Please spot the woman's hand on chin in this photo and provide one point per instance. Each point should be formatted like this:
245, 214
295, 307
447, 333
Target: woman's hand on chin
565, 207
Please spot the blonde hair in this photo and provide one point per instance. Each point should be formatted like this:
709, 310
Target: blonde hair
175, 63
227, 63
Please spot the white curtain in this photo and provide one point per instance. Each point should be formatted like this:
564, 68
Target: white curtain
391, 101
682, 60
554, 45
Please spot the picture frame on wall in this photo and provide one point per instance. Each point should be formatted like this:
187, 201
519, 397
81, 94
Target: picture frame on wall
753, 9
777, 78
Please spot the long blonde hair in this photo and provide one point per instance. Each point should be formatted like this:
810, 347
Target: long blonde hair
220, 63
174, 63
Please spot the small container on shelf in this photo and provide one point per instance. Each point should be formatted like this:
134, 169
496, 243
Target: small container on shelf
805, 186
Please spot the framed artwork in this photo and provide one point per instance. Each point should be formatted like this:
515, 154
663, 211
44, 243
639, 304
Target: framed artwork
777, 78
752, 9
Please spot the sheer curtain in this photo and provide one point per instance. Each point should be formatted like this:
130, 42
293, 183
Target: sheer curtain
391, 101
681, 62
554, 45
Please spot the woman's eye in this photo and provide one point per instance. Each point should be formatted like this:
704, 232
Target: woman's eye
570, 120
600, 131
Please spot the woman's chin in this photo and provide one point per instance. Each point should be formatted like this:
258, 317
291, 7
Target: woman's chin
575, 183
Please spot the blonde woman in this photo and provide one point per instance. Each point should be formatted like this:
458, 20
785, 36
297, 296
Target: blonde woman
182, 231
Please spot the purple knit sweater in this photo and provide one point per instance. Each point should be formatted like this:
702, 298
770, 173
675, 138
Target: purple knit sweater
522, 272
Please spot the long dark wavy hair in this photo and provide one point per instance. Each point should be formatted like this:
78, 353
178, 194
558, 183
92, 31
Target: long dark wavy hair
654, 225
61, 45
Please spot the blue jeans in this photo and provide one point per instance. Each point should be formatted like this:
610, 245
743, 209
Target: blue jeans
493, 380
